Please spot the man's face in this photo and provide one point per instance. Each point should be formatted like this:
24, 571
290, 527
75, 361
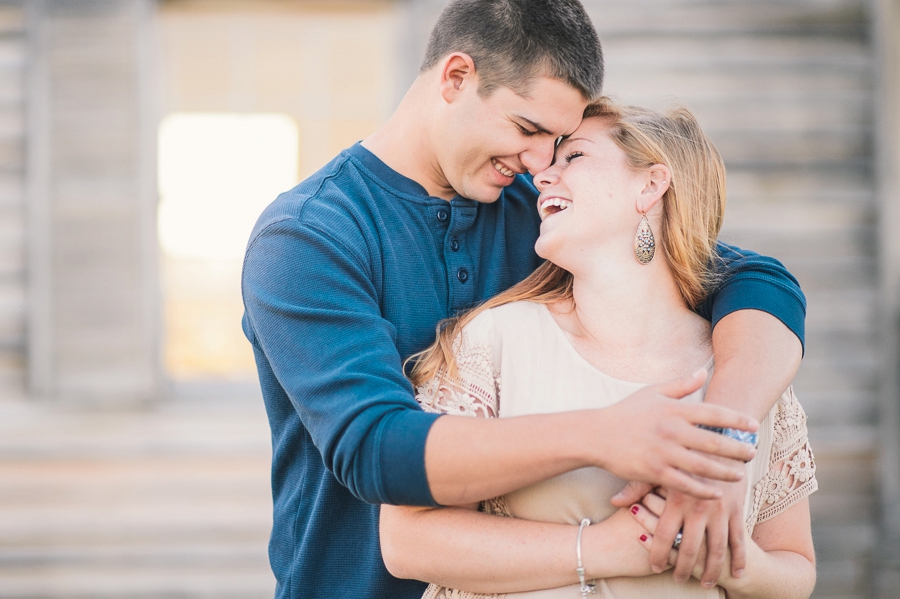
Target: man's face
491, 140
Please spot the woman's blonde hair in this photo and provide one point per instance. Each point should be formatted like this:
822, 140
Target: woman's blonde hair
692, 212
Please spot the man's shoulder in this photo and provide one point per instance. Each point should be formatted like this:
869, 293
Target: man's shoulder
331, 198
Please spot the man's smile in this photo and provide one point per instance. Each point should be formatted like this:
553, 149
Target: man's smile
503, 169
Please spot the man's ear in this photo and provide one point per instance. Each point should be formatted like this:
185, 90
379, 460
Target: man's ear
656, 184
457, 73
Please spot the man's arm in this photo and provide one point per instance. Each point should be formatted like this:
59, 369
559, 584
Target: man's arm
647, 436
756, 358
313, 310
758, 317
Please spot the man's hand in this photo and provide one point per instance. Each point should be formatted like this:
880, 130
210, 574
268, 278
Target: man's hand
722, 522
656, 440
649, 514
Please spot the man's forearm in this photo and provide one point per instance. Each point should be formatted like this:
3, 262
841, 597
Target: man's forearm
472, 459
756, 358
647, 436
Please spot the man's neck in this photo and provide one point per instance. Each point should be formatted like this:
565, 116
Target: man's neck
404, 143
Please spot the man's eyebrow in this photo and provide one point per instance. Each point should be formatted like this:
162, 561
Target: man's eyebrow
536, 126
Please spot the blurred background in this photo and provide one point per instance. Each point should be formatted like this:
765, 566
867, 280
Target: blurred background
140, 139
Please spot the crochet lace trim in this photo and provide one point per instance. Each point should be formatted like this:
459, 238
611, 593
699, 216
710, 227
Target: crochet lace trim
791, 475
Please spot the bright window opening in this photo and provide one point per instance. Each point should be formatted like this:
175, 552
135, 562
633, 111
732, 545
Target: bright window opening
216, 174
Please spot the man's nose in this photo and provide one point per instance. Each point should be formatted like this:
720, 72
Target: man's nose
539, 157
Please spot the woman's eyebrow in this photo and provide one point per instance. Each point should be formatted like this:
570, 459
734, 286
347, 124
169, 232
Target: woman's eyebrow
566, 140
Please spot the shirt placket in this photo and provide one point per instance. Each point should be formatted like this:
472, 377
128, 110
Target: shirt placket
460, 265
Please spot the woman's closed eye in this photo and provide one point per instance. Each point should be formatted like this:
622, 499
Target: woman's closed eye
573, 155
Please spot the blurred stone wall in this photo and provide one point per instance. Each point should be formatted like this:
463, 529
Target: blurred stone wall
794, 94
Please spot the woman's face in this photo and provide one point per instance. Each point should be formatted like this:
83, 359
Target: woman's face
588, 201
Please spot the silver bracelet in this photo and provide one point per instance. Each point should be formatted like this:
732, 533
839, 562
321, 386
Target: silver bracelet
586, 588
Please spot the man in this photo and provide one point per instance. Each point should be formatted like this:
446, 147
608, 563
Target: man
347, 275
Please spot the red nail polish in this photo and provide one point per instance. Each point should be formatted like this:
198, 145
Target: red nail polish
634, 509
643, 538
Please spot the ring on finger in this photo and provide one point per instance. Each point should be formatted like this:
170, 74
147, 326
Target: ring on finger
677, 543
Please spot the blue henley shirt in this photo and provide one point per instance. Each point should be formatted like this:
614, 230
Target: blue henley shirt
345, 276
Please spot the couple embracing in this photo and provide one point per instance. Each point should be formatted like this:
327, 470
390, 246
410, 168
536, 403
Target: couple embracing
608, 410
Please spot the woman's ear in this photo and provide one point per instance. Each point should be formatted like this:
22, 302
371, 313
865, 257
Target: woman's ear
457, 74
655, 186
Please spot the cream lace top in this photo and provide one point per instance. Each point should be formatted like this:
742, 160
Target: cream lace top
515, 360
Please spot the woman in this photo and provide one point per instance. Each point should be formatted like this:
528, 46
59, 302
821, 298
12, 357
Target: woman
631, 210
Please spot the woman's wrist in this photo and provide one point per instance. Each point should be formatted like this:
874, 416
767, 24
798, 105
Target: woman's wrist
605, 552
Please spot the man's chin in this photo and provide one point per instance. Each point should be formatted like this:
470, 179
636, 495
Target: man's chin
490, 193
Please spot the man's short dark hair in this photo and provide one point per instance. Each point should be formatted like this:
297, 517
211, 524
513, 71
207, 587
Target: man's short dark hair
514, 41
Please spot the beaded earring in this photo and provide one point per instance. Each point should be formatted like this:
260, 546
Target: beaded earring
644, 243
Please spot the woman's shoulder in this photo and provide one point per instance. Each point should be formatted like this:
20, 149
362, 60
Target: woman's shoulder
517, 313
511, 314
493, 325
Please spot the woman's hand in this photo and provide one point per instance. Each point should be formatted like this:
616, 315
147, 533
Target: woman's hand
613, 547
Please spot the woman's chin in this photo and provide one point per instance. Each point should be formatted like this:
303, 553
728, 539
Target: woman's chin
545, 247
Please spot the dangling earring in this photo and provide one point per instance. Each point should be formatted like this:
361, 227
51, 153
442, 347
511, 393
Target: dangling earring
644, 243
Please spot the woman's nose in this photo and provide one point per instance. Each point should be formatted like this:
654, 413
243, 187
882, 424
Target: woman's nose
546, 177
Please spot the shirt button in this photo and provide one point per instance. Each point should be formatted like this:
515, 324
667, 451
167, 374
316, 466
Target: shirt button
443, 215
454, 245
463, 275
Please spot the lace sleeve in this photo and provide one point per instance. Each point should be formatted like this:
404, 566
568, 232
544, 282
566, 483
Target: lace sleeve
792, 467
474, 389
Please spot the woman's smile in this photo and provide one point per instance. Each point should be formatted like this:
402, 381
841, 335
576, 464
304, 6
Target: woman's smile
553, 205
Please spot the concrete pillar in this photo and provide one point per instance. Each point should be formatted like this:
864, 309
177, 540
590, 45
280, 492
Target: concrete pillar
93, 300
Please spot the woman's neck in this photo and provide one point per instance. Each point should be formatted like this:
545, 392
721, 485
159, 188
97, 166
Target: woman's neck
630, 322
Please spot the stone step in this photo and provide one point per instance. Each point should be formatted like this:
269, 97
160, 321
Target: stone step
170, 501
114, 581
693, 18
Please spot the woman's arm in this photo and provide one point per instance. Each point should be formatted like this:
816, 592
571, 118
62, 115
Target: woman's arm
461, 548
780, 556
781, 560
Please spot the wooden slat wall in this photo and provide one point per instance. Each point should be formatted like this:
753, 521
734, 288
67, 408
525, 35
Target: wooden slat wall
886, 37
13, 44
786, 90
94, 333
